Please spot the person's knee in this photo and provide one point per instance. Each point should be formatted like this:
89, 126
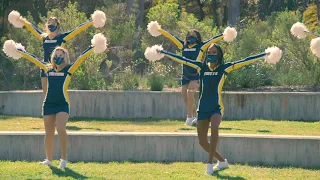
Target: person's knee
203, 142
61, 128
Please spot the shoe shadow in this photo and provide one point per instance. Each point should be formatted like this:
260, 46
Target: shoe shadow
67, 173
220, 176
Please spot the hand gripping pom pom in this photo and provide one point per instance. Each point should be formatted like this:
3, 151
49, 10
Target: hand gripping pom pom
153, 53
10, 48
315, 46
99, 18
229, 34
298, 29
273, 55
99, 43
14, 19
153, 27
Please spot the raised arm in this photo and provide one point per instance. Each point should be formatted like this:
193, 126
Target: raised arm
18, 21
99, 45
182, 60
33, 59
98, 20
178, 42
80, 59
246, 61
74, 32
155, 30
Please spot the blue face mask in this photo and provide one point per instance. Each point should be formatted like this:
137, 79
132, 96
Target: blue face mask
58, 60
52, 28
192, 40
212, 58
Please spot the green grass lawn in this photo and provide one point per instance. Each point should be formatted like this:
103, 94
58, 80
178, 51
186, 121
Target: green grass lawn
14, 123
149, 171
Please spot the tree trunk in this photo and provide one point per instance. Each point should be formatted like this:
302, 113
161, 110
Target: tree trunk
215, 16
140, 14
318, 10
233, 12
201, 5
129, 7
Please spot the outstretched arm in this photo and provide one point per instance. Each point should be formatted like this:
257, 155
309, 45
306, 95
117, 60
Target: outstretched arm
178, 42
33, 59
32, 28
74, 32
248, 60
80, 59
182, 60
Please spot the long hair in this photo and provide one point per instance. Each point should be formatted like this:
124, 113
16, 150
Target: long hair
219, 53
54, 19
193, 31
66, 56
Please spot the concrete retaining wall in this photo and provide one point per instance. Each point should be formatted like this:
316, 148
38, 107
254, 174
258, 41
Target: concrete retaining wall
103, 147
106, 104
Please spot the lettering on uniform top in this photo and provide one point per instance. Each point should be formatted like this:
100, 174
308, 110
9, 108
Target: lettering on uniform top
191, 49
56, 74
50, 41
211, 73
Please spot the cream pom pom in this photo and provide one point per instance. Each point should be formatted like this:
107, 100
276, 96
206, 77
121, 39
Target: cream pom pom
99, 43
273, 55
229, 34
11, 49
153, 27
298, 29
153, 53
99, 18
14, 19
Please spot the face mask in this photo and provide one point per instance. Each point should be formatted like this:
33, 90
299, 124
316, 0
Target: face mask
52, 28
212, 58
58, 60
192, 40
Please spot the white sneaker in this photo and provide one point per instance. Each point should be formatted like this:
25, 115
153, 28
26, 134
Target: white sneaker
189, 121
194, 122
221, 165
209, 169
63, 163
46, 162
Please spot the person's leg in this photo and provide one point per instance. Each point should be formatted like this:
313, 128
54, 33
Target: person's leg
61, 122
202, 129
49, 124
192, 88
215, 123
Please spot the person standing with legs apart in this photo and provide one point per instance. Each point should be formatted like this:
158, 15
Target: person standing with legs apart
53, 38
213, 74
56, 104
192, 48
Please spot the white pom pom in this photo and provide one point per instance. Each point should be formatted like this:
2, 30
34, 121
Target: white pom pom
99, 43
229, 34
273, 55
14, 19
315, 46
153, 53
99, 18
298, 29
153, 27
10, 48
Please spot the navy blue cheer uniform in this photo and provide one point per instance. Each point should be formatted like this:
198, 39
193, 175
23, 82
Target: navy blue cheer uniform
50, 44
194, 52
57, 97
212, 81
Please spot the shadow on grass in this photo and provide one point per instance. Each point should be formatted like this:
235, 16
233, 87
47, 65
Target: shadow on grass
264, 131
76, 128
230, 129
186, 129
280, 166
137, 120
67, 173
